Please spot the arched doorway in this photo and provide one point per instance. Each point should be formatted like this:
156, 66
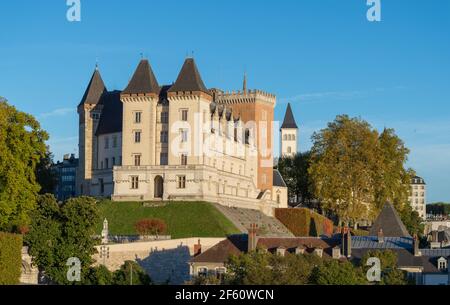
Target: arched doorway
159, 187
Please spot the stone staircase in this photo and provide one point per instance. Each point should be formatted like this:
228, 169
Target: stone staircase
243, 218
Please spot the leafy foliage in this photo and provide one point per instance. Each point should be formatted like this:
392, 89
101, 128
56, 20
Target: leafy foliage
334, 272
355, 170
22, 146
45, 176
151, 227
439, 208
131, 274
58, 233
304, 222
391, 275
10, 258
295, 171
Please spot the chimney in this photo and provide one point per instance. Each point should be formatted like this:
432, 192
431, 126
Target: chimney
336, 252
380, 236
281, 251
434, 236
252, 237
318, 251
346, 242
416, 246
300, 250
198, 248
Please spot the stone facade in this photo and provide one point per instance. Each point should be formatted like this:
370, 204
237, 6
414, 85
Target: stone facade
181, 142
418, 196
164, 261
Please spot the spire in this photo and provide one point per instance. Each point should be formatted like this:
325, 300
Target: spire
289, 121
95, 89
244, 88
143, 80
189, 79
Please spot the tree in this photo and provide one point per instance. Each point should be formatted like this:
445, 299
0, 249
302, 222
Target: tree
412, 220
151, 227
45, 176
334, 272
58, 233
390, 274
22, 146
98, 276
295, 173
355, 170
131, 274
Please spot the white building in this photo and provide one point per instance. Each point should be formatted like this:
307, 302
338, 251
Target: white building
418, 195
178, 142
289, 134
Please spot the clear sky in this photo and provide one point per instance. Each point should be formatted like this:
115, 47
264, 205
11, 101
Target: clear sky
323, 56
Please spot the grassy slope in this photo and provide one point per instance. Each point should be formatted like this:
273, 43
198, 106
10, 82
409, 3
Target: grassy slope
193, 219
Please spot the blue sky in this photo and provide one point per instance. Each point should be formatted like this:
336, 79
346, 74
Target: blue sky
323, 56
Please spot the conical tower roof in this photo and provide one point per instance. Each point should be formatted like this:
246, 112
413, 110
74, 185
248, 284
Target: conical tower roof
95, 89
189, 79
289, 121
143, 80
389, 221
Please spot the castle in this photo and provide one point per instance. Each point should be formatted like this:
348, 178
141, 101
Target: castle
180, 142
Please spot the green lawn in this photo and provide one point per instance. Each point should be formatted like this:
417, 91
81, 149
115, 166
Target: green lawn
190, 219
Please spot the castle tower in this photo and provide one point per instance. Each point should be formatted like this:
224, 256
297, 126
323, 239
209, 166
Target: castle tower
256, 109
289, 134
140, 99
89, 112
190, 103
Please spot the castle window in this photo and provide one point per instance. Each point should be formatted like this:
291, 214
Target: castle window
114, 141
164, 137
184, 135
442, 264
137, 117
184, 159
106, 163
137, 160
285, 137
181, 182
134, 182
184, 115
164, 159
114, 161
137, 137
278, 199
289, 150
293, 137
106, 143
96, 116
164, 117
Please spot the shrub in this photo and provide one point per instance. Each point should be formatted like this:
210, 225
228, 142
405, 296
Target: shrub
10, 258
147, 227
304, 222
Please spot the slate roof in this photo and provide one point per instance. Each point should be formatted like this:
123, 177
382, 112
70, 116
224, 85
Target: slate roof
418, 181
278, 179
371, 242
189, 79
289, 121
143, 80
95, 90
390, 223
111, 119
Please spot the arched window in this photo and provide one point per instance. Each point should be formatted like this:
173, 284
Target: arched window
289, 150
285, 137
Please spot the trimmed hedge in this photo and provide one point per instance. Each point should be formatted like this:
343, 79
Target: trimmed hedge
304, 222
10, 258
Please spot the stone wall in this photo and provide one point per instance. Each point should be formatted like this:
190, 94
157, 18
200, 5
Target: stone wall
165, 261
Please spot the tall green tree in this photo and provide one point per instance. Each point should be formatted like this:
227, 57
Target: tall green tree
343, 159
355, 170
58, 233
295, 173
334, 272
390, 274
22, 146
45, 176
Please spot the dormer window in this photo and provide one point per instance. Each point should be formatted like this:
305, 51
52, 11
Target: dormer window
442, 264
